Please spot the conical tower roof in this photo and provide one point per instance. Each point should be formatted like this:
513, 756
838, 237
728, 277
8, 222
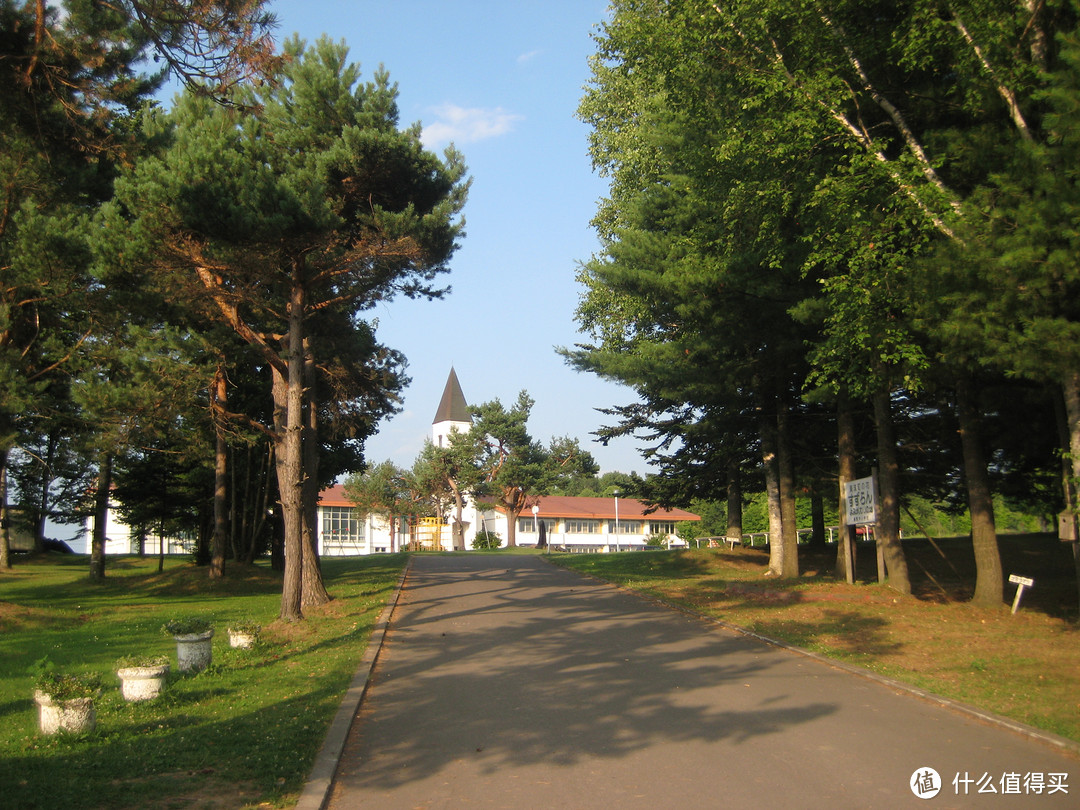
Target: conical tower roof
452, 407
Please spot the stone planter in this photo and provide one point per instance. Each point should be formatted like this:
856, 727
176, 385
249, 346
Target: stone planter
242, 639
142, 683
74, 716
194, 651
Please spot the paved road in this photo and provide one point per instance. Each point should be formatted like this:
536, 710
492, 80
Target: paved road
506, 682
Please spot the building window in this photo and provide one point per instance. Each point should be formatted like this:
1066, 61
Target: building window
662, 527
525, 524
342, 526
582, 526
625, 527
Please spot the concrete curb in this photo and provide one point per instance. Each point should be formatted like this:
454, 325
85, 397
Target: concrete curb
1063, 744
316, 790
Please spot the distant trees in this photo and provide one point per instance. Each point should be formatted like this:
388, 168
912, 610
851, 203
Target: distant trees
497, 459
515, 469
70, 86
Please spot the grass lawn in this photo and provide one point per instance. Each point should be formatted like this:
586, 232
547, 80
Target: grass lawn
243, 733
1024, 666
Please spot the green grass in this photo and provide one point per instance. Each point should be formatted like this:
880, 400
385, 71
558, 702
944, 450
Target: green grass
242, 733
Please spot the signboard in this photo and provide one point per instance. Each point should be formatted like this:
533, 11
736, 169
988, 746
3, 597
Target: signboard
1021, 583
861, 502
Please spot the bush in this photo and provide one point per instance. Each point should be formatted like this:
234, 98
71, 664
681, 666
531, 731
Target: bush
187, 626
486, 539
141, 661
61, 686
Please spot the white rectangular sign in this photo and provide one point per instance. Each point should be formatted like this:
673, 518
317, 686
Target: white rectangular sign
1019, 580
861, 503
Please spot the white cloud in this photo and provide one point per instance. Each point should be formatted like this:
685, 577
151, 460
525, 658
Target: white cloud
468, 124
528, 57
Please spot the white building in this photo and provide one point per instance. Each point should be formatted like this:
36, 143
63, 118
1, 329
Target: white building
571, 523
575, 524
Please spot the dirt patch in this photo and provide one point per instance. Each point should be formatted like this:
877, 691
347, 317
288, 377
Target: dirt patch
19, 618
202, 790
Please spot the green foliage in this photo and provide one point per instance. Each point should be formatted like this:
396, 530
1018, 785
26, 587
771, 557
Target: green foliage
71, 80
382, 489
187, 626
144, 660
61, 686
486, 539
814, 202
246, 626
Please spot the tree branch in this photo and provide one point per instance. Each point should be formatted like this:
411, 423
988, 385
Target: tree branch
1003, 90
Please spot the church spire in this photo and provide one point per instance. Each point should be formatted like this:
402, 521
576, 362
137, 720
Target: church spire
453, 410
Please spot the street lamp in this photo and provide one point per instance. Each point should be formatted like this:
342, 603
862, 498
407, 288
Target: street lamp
616, 520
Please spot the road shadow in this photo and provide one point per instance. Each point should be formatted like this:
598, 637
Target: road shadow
513, 662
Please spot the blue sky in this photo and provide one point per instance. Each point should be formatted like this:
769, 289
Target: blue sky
502, 80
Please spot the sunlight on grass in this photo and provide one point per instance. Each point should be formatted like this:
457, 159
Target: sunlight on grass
247, 728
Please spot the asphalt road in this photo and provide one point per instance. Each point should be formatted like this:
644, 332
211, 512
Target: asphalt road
506, 682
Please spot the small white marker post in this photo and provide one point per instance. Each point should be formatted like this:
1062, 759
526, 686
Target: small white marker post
1021, 583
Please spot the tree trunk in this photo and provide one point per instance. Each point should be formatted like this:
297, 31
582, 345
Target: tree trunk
888, 524
989, 582
313, 589
288, 411
514, 499
1071, 391
459, 513
845, 429
786, 469
5, 537
101, 517
767, 427
44, 493
221, 488
734, 500
817, 519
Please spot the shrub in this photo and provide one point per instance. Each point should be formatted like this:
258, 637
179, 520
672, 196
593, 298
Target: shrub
187, 626
486, 539
62, 686
141, 661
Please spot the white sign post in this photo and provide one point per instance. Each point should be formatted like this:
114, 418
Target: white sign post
1021, 583
861, 502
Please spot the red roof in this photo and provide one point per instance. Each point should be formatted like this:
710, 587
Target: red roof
560, 506
335, 496
563, 506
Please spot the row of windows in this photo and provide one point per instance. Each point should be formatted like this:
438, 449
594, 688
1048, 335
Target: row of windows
525, 524
341, 525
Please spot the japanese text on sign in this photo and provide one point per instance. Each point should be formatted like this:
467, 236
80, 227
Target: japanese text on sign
861, 505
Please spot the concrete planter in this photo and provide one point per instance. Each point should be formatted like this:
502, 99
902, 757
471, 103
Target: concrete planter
142, 683
194, 652
74, 716
242, 639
